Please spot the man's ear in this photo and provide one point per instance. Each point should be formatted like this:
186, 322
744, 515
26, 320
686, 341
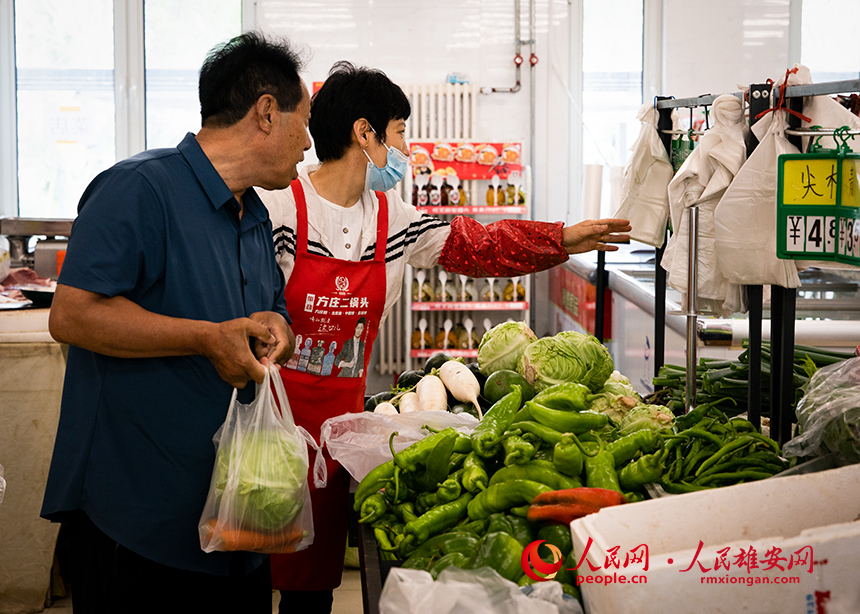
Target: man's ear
267, 113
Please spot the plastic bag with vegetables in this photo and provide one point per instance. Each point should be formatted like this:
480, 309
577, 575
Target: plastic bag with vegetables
259, 498
829, 414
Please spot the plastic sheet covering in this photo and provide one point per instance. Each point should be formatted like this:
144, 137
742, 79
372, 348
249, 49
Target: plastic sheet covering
702, 181
644, 200
30, 393
476, 591
829, 414
359, 441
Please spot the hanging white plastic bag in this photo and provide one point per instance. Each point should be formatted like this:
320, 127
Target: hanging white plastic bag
476, 591
702, 181
644, 200
745, 219
259, 498
359, 441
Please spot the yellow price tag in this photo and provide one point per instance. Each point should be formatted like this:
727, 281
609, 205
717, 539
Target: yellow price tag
809, 181
850, 187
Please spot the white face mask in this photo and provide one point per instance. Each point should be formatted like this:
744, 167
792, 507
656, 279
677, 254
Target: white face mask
385, 178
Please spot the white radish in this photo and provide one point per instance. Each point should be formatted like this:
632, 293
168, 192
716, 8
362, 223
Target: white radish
461, 382
409, 403
385, 408
431, 394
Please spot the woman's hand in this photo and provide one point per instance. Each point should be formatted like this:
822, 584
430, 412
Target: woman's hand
595, 234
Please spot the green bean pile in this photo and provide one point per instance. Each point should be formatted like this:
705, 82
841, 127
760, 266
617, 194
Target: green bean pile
709, 450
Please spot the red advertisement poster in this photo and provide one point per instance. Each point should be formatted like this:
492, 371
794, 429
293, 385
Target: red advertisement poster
466, 160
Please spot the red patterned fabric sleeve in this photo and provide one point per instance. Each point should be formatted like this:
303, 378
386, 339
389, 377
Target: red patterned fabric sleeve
503, 248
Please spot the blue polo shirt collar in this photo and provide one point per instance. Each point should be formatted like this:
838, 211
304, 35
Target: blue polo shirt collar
216, 189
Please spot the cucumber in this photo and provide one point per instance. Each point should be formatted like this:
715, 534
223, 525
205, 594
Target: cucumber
371, 402
499, 384
409, 379
436, 361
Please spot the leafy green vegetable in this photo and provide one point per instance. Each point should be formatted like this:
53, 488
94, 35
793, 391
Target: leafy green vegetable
266, 474
502, 346
616, 398
567, 357
653, 417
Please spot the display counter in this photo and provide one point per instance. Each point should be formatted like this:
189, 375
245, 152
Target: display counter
828, 312
32, 367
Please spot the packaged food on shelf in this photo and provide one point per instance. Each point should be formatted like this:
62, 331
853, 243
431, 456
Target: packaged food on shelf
444, 291
467, 292
416, 339
508, 293
425, 294
490, 292
440, 340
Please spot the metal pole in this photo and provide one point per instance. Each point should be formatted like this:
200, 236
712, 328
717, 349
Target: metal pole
692, 310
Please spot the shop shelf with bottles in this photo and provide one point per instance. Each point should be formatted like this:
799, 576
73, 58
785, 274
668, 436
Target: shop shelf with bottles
451, 312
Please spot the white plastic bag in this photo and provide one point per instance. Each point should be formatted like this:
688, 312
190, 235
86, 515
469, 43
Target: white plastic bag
259, 498
745, 219
701, 181
475, 591
359, 441
644, 200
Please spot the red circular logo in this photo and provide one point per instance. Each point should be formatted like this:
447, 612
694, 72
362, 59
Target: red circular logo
534, 565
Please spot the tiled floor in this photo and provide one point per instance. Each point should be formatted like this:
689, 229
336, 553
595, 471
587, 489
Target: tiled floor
347, 597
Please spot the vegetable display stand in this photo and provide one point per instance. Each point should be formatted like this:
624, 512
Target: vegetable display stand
449, 312
373, 570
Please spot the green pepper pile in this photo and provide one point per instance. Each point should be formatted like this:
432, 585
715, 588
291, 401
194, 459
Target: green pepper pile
709, 450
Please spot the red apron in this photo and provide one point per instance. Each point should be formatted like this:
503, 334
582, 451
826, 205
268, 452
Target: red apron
336, 307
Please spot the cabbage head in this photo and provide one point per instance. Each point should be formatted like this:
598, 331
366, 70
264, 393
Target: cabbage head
264, 475
502, 346
654, 417
567, 357
616, 398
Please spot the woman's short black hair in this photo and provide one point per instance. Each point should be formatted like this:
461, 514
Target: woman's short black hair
236, 73
349, 93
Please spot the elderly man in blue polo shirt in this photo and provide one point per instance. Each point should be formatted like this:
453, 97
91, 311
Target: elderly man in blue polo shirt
170, 297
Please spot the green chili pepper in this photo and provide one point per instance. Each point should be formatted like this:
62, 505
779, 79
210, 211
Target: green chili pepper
434, 521
730, 447
701, 434
373, 508
424, 501
732, 477
567, 396
382, 540
502, 552
488, 435
679, 488
634, 496
436, 462
503, 496
456, 461
517, 450
449, 490
548, 435
600, 469
455, 559
567, 456
373, 482
414, 457
645, 470
406, 511
446, 543
542, 472
558, 535
521, 530
473, 527
627, 447
567, 421
499, 521
395, 495
474, 477
522, 415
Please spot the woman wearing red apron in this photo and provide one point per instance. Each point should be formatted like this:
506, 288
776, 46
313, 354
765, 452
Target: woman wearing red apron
343, 238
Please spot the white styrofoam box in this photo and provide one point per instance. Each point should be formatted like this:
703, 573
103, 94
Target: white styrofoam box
818, 511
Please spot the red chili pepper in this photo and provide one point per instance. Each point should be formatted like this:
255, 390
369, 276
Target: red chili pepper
571, 503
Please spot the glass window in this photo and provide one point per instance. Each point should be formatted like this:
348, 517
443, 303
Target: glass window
828, 39
178, 34
611, 86
65, 101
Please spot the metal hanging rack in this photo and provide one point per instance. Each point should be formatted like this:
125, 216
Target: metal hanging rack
783, 300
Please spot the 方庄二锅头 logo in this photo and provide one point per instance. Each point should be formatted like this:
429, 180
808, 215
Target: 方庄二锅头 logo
341, 283
533, 564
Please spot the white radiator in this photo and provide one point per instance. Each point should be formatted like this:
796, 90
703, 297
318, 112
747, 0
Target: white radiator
439, 111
